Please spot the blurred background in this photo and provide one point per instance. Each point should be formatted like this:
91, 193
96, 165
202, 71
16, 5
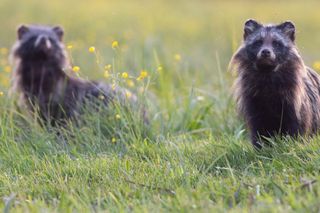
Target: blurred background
154, 32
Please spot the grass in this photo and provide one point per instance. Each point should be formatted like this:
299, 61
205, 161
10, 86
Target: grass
195, 154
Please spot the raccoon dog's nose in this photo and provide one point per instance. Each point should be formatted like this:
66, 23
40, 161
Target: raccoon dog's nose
43, 41
266, 53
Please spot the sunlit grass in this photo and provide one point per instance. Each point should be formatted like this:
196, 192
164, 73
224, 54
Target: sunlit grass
193, 154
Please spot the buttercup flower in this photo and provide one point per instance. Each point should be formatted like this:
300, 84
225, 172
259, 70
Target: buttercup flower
75, 69
4, 51
115, 44
92, 49
124, 75
106, 74
143, 73
128, 94
316, 65
177, 57
7, 69
130, 83
108, 67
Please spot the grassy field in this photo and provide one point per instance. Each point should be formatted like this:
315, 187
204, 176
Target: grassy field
195, 155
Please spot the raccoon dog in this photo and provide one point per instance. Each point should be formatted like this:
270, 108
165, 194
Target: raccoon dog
39, 77
276, 93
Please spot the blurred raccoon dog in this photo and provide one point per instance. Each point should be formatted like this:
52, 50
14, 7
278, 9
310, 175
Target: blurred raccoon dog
275, 92
39, 61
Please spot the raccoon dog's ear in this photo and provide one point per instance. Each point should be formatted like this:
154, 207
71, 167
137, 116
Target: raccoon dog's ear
21, 31
59, 31
250, 26
288, 29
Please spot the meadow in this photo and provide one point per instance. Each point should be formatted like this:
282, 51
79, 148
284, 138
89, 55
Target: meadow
195, 155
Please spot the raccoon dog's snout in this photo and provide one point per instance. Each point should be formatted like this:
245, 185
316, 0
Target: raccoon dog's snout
265, 53
43, 42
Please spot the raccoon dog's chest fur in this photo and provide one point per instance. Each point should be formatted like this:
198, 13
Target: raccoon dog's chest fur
276, 93
39, 78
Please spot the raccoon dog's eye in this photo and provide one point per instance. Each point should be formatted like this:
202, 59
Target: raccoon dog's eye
277, 44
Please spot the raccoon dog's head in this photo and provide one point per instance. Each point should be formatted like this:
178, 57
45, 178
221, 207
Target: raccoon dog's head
39, 43
268, 46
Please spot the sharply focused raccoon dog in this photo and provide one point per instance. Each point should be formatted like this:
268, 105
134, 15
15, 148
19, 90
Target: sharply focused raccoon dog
276, 93
39, 61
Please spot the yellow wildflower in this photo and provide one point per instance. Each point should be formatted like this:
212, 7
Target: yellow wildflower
316, 65
7, 69
177, 57
124, 75
75, 69
160, 68
130, 83
128, 94
107, 67
4, 80
69, 47
4, 51
143, 73
1, 93
92, 49
113, 140
118, 116
115, 44
106, 74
